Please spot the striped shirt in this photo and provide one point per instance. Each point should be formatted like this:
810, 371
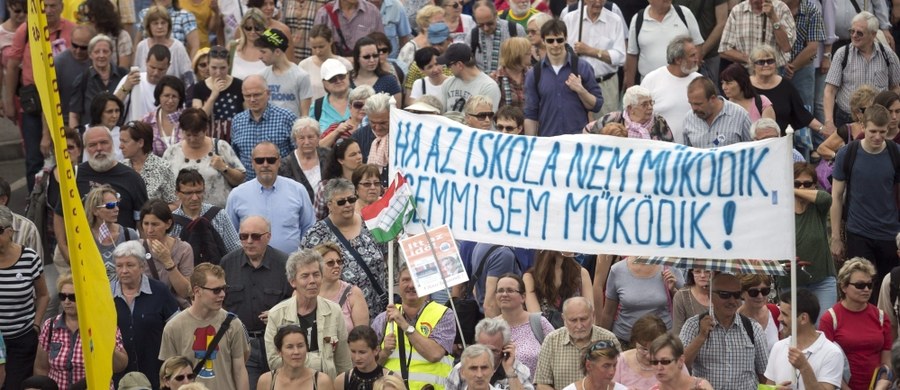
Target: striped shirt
874, 71
26, 234
299, 17
745, 30
731, 125
17, 291
810, 27
728, 359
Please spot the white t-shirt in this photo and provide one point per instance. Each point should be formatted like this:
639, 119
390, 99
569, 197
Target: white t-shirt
655, 37
430, 89
825, 358
670, 98
140, 101
180, 63
241, 68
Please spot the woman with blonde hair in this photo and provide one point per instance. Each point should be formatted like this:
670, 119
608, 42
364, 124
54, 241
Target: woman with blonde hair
158, 25
858, 327
101, 207
599, 366
479, 111
244, 56
176, 373
515, 60
389, 382
424, 18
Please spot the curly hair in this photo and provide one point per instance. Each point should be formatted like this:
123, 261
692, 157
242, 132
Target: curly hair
543, 272
104, 16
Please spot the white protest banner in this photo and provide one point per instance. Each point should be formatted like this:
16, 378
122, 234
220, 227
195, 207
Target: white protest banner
424, 270
598, 194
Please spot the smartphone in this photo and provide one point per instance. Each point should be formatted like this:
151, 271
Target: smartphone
135, 69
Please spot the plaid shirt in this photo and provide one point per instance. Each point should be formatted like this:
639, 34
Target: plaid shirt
183, 23
810, 27
274, 126
728, 359
64, 351
299, 16
730, 126
744, 29
859, 70
559, 359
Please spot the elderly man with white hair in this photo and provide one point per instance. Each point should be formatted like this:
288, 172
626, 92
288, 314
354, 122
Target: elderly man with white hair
766, 128
507, 372
477, 364
373, 137
637, 117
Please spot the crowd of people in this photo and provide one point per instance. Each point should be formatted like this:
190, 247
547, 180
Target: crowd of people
225, 149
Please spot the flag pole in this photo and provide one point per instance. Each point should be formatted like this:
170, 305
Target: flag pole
390, 279
443, 280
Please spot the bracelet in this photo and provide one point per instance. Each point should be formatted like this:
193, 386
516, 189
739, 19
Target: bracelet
170, 269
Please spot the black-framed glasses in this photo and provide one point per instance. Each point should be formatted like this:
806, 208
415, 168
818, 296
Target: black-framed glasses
218, 52
337, 78
754, 292
510, 291
508, 129
349, 199
551, 41
79, 47
370, 184
332, 263
4, 228
766, 61
109, 205
804, 184
368, 56
64, 296
482, 116
728, 294
665, 362
182, 377
215, 290
267, 160
358, 104
254, 236
862, 285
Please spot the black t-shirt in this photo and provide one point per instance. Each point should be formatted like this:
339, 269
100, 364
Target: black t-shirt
308, 324
788, 106
128, 183
229, 103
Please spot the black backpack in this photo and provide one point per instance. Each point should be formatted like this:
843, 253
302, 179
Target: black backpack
748, 327
639, 22
573, 59
202, 236
511, 25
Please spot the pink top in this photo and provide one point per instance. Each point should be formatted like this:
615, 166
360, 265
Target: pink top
627, 376
527, 346
345, 308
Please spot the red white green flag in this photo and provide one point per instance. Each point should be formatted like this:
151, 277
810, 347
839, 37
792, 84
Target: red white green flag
387, 216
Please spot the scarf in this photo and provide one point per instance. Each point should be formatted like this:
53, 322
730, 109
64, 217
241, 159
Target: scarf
637, 130
378, 153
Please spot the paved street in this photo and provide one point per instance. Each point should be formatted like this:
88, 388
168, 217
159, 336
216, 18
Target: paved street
12, 164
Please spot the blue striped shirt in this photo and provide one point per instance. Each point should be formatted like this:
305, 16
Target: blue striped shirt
810, 27
274, 126
731, 125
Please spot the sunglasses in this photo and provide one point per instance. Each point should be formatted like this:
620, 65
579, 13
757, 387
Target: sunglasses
728, 294
384, 50
253, 28
79, 47
767, 61
665, 362
254, 236
862, 285
216, 290
856, 33
804, 184
267, 160
482, 116
332, 263
108, 205
454, 5
341, 202
370, 184
358, 104
368, 57
596, 346
64, 296
182, 377
218, 52
337, 79
754, 292
551, 41
508, 129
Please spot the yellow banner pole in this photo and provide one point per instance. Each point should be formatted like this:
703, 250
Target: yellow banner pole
96, 310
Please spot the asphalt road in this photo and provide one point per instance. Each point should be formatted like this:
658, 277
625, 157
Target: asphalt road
12, 164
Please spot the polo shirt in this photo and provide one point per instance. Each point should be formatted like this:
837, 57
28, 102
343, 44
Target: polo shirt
731, 125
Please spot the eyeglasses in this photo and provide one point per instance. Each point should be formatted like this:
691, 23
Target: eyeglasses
754, 292
216, 290
182, 377
804, 184
218, 52
332, 263
728, 294
508, 129
349, 199
338, 78
252, 28
267, 160
369, 56
647, 103
384, 50
856, 33
64, 296
192, 194
454, 5
551, 41
4, 228
254, 236
862, 285
79, 47
108, 205
510, 291
370, 184
767, 61
665, 362
482, 116
486, 24
359, 104
531, 31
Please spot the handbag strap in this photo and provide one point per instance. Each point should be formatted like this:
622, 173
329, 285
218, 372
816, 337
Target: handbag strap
151, 262
404, 362
215, 342
356, 256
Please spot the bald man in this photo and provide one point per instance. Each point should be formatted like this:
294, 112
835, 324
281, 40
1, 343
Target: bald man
256, 281
261, 121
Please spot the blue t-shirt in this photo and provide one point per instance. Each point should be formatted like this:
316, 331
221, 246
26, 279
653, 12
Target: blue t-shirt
502, 260
872, 212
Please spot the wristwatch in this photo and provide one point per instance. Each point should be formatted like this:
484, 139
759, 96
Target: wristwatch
826, 55
410, 330
776, 26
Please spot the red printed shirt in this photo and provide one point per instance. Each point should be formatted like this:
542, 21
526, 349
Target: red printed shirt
64, 351
60, 39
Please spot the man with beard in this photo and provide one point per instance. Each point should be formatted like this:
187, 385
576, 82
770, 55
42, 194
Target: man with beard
730, 349
282, 201
485, 39
520, 11
714, 122
668, 84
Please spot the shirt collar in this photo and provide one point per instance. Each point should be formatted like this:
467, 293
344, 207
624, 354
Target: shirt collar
264, 263
145, 288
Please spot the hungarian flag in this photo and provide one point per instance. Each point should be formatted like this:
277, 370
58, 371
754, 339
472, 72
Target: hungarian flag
386, 217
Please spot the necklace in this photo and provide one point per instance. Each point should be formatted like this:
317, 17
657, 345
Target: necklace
584, 387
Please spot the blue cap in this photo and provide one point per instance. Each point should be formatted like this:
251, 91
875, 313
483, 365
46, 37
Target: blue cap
438, 33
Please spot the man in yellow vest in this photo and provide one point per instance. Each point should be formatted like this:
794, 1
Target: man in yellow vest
417, 337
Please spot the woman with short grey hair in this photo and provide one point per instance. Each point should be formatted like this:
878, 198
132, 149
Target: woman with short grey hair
309, 161
637, 117
365, 266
